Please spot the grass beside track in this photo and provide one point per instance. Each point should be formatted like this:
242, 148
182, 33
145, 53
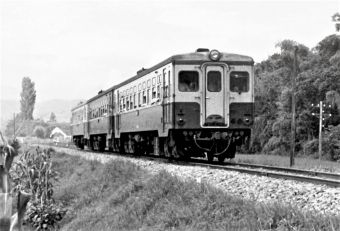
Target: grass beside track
121, 196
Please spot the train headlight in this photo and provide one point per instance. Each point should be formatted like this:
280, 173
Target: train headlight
214, 55
247, 121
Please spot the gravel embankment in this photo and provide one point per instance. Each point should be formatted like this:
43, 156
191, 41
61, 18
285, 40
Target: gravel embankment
306, 196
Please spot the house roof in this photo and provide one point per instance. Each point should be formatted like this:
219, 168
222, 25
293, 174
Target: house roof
57, 130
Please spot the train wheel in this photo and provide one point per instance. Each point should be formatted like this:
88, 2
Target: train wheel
132, 147
126, 147
210, 157
166, 150
177, 153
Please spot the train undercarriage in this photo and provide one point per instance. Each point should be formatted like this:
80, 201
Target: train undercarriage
178, 145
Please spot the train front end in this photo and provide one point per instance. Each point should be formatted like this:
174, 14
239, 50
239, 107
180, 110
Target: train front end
214, 104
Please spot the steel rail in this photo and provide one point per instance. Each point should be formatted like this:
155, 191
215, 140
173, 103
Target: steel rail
327, 175
277, 175
292, 170
231, 167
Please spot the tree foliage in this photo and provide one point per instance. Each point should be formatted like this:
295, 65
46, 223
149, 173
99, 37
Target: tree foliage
53, 118
318, 79
336, 19
28, 96
39, 131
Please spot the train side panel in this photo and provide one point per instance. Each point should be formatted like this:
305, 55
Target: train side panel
145, 105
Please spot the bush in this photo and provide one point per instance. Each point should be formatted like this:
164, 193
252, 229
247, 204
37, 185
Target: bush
331, 143
44, 216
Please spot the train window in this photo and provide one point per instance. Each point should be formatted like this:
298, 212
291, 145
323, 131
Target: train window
131, 103
148, 95
165, 95
239, 81
127, 103
153, 93
144, 97
135, 100
153, 81
214, 81
188, 81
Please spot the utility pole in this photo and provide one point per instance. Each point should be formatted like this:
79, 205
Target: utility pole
14, 127
322, 114
292, 153
320, 131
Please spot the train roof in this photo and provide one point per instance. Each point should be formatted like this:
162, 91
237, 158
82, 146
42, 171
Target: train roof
80, 104
188, 58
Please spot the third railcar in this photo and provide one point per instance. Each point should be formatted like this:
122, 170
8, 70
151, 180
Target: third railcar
190, 105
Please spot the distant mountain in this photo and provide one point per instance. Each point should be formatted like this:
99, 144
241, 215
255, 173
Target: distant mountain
42, 110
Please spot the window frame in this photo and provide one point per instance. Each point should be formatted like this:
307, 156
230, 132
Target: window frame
247, 85
197, 81
219, 87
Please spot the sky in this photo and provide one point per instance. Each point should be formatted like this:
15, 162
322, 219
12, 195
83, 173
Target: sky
73, 49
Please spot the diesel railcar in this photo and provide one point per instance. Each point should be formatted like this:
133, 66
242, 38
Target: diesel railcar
198, 104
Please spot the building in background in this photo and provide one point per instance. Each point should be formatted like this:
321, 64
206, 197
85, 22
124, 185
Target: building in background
59, 136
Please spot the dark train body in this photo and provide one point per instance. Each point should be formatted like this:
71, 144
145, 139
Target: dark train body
190, 105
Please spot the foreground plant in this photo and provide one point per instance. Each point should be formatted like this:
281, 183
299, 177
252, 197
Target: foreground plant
9, 222
33, 172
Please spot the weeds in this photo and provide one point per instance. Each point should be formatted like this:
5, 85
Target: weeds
33, 173
121, 196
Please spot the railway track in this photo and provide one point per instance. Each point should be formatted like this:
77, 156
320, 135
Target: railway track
315, 177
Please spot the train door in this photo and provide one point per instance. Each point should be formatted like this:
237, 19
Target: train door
215, 107
166, 99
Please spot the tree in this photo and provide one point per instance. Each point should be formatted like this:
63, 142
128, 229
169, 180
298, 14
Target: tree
39, 131
53, 117
28, 96
336, 19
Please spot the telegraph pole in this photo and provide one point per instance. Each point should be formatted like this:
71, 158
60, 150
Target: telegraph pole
292, 153
320, 130
14, 127
322, 114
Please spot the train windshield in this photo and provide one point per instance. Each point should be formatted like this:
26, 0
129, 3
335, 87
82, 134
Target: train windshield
239, 81
214, 81
188, 81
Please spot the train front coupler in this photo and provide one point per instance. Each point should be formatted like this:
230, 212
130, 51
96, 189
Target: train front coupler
220, 145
